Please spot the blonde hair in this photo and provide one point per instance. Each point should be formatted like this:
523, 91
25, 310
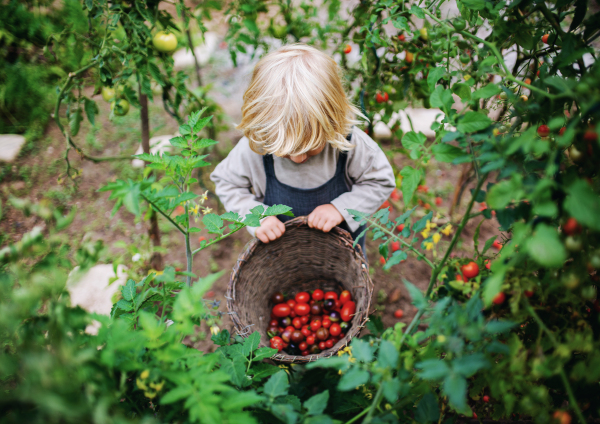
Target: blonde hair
296, 103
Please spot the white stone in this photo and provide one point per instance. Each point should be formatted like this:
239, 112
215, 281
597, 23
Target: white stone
92, 291
158, 144
10, 146
184, 58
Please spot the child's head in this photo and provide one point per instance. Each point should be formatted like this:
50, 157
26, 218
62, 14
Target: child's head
296, 103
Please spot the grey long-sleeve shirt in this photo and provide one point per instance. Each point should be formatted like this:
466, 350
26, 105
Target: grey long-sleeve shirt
369, 176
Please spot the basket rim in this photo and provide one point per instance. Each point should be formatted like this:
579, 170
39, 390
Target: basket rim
242, 329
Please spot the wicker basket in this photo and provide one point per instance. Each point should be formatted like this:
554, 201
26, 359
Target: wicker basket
303, 260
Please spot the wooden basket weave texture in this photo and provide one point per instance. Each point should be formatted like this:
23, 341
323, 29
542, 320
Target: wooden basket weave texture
304, 259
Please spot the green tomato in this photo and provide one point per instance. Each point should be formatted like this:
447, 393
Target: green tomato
464, 59
571, 281
108, 94
575, 154
120, 107
573, 243
436, 44
280, 31
164, 42
459, 24
588, 292
438, 56
503, 96
595, 260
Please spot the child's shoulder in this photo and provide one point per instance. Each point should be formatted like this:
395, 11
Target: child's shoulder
362, 142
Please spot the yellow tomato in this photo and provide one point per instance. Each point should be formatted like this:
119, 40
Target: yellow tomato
423, 32
165, 42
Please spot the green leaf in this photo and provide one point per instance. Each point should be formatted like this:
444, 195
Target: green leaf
237, 400
428, 409
261, 370
503, 193
488, 244
467, 366
128, 290
417, 11
75, 121
177, 394
198, 126
473, 4
401, 23
285, 413
410, 180
434, 76
455, 387
362, 351
124, 305
251, 343
486, 92
352, 379
388, 355
492, 287
441, 97
396, 258
263, 353
278, 210
462, 90
545, 247
391, 389
222, 338
583, 204
473, 122
91, 109
316, 404
213, 223
277, 385
257, 210
446, 152
252, 220
418, 299
433, 369
413, 140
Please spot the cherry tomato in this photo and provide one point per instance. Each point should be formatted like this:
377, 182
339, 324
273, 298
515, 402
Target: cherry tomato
318, 294
326, 323
395, 246
488, 264
310, 340
303, 346
486, 398
329, 344
293, 314
315, 325
331, 295
304, 319
571, 227
297, 336
438, 201
334, 316
305, 353
528, 293
322, 346
459, 277
497, 245
345, 296
543, 130
329, 304
335, 329
302, 297
297, 323
348, 311
290, 328
322, 334
273, 323
470, 270
277, 298
277, 343
306, 332
400, 227
382, 260
302, 309
312, 302
399, 313
347, 49
499, 299
291, 303
281, 310
545, 38
316, 309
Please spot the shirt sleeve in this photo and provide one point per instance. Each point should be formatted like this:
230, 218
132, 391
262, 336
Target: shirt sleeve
371, 175
234, 178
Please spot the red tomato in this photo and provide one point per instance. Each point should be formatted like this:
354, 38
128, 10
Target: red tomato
488, 264
306, 332
281, 310
486, 398
329, 344
470, 270
528, 293
322, 334
290, 328
562, 130
322, 346
590, 135
571, 227
459, 277
297, 323
401, 37
545, 38
345, 296
395, 195
326, 323
277, 343
315, 325
543, 130
273, 323
385, 205
497, 245
382, 260
310, 340
438, 201
400, 227
347, 49
318, 294
302, 297
291, 303
382, 98
423, 188
475, 415
293, 314
304, 319
348, 311
335, 329
302, 309
303, 346
399, 313
499, 299
305, 353
395, 246
331, 295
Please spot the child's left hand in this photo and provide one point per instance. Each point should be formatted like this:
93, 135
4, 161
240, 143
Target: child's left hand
324, 218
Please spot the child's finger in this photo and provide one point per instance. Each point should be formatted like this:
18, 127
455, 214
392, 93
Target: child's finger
311, 218
271, 234
277, 231
328, 226
262, 236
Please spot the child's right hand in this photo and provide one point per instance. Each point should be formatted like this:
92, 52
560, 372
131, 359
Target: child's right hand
270, 229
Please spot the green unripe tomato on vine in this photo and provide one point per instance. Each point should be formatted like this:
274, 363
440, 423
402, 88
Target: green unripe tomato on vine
464, 59
438, 13
438, 56
588, 292
503, 96
164, 42
120, 107
459, 24
573, 243
436, 44
571, 281
108, 94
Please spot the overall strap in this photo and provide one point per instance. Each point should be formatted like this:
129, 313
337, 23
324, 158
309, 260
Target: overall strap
268, 164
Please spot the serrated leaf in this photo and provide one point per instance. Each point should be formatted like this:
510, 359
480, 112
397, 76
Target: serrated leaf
251, 343
455, 387
213, 223
278, 210
418, 299
177, 394
473, 122
124, 305
410, 180
387, 355
257, 210
396, 258
75, 121
446, 152
128, 290
434, 76
263, 353
362, 351
352, 379
316, 404
486, 92
462, 90
413, 140
433, 369
252, 220
91, 109
277, 385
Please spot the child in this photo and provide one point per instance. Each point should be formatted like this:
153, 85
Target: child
301, 148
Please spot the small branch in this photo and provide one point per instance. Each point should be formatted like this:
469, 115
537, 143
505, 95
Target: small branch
374, 405
164, 214
218, 239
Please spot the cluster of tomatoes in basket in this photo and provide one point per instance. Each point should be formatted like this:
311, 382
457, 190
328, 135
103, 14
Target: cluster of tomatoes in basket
309, 324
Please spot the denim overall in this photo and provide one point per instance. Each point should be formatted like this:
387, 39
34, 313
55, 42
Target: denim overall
304, 201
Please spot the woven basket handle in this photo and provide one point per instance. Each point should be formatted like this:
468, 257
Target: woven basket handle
303, 220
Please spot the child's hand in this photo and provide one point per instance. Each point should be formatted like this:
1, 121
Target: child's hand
270, 229
324, 218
